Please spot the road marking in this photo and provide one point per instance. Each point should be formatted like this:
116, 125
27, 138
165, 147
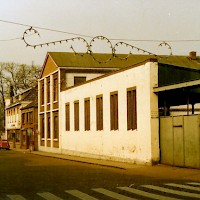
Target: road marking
112, 194
166, 190
49, 196
194, 183
80, 195
16, 197
146, 194
183, 186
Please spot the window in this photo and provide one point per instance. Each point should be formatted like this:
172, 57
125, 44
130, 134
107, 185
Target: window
48, 90
55, 123
27, 119
67, 115
76, 115
31, 117
48, 126
114, 111
23, 118
79, 80
99, 112
42, 92
131, 110
42, 126
55, 89
87, 114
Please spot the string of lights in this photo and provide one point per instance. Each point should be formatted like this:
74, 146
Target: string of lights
89, 46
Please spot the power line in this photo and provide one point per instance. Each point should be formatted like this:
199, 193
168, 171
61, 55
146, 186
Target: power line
47, 29
6, 40
17, 38
89, 36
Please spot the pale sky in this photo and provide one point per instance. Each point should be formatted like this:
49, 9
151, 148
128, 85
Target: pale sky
162, 20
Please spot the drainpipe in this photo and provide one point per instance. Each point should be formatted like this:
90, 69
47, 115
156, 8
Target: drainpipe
193, 108
188, 102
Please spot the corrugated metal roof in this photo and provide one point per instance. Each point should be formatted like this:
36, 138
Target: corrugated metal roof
67, 59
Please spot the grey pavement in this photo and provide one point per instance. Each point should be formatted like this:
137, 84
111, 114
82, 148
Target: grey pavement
158, 171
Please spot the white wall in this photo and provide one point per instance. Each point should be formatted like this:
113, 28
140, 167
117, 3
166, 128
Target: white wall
138, 146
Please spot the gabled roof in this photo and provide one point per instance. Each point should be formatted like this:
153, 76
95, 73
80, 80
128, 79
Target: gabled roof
33, 104
67, 59
86, 61
28, 95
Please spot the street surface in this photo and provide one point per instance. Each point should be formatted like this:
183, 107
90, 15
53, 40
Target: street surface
28, 176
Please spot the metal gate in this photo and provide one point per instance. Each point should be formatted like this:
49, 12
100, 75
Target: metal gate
180, 140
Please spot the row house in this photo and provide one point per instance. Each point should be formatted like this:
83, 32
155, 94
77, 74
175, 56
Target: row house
29, 126
13, 115
113, 110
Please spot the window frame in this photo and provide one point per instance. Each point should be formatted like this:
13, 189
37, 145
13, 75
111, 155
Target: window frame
42, 92
99, 112
55, 125
48, 90
131, 108
48, 125
87, 113
76, 116
67, 116
55, 88
114, 115
42, 126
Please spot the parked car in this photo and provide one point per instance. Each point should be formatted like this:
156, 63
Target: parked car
4, 144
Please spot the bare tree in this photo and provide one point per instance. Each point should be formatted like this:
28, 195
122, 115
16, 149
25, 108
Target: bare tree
15, 78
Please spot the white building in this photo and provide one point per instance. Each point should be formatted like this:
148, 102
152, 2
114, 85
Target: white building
113, 116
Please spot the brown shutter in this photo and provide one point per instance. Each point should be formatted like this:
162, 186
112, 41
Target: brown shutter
87, 114
76, 116
114, 111
67, 111
99, 113
131, 110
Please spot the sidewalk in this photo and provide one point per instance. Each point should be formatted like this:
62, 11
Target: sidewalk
159, 171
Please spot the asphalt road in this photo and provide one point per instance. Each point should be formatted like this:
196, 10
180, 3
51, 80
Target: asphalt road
29, 176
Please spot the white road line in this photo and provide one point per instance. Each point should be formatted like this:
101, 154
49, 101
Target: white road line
16, 197
166, 190
194, 183
146, 194
183, 186
112, 194
49, 196
80, 195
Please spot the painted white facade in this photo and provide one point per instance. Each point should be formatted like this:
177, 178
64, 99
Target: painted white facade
136, 146
69, 83
13, 116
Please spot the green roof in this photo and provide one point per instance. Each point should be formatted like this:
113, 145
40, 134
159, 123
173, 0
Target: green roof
181, 61
66, 59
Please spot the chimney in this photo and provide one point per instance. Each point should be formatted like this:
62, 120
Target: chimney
193, 55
